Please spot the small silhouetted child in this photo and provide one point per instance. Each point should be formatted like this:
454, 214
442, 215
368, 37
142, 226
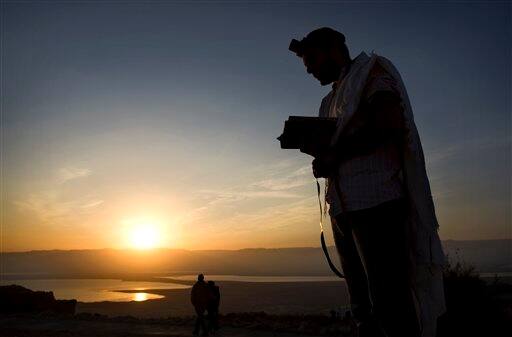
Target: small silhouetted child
213, 306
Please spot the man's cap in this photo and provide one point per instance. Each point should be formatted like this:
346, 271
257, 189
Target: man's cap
322, 37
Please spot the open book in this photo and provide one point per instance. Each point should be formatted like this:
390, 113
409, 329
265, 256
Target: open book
311, 135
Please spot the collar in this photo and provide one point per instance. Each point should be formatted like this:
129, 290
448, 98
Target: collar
345, 70
343, 73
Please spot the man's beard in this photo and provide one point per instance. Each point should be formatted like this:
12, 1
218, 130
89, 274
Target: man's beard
329, 73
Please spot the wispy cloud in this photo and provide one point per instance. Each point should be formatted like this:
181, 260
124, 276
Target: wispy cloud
92, 204
222, 203
285, 181
46, 206
279, 181
301, 212
442, 154
50, 207
70, 173
443, 184
215, 197
52, 203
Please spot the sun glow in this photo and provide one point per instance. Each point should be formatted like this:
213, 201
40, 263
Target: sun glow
147, 232
144, 236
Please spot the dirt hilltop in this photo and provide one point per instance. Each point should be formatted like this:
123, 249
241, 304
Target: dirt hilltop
233, 325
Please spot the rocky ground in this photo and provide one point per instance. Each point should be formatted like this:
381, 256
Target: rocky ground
232, 325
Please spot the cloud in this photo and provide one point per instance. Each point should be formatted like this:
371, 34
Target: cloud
46, 206
297, 178
272, 185
296, 213
443, 154
278, 181
215, 197
223, 202
70, 173
92, 204
49, 207
441, 180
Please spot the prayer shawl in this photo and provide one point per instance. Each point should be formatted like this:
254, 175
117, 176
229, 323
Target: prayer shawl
427, 257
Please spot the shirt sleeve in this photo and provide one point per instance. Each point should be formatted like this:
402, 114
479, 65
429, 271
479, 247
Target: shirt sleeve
379, 80
377, 112
387, 112
323, 111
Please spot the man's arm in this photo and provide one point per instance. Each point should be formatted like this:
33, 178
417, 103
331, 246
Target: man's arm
384, 125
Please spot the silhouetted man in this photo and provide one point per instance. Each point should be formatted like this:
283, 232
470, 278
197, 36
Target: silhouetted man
213, 306
200, 297
381, 209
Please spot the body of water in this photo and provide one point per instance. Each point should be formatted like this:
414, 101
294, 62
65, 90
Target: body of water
96, 290
240, 278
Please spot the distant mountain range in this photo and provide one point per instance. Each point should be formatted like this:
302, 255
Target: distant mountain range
485, 256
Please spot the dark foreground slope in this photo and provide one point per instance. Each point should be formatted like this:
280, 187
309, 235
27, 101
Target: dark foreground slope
233, 325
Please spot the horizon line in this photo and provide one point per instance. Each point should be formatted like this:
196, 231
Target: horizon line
203, 250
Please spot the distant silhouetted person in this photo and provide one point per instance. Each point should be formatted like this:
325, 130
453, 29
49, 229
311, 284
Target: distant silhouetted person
348, 316
381, 208
213, 306
200, 297
334, 315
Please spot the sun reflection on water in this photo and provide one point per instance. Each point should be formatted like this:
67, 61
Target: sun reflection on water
139, 297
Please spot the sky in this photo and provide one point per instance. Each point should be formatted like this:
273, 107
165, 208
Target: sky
158, 120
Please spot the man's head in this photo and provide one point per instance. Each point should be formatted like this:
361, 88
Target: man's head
200, 277
323, 52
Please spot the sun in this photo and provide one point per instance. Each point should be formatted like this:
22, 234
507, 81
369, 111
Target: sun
145, 232
144, 236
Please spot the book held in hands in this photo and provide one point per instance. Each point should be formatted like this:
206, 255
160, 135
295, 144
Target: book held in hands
308, 134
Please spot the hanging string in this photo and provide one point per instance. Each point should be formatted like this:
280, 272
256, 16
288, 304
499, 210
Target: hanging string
319, 204
323, 213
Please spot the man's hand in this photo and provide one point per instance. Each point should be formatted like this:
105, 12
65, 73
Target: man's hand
324, 165
309, 149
